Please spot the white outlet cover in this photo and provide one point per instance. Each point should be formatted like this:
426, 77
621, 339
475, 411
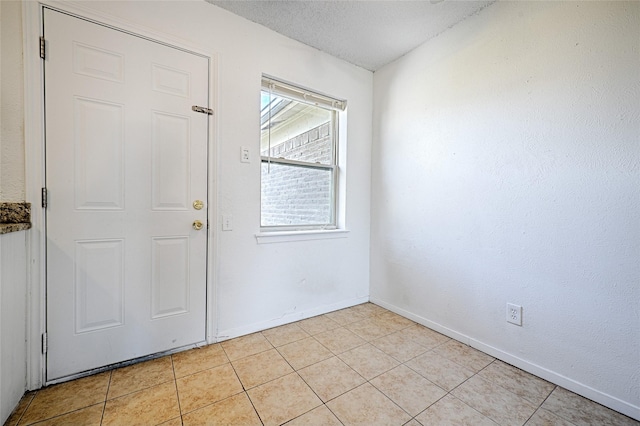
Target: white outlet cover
514, 314
227, 222
245, 154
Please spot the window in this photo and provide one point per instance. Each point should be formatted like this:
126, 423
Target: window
299, 153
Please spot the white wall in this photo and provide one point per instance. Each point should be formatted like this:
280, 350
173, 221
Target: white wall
12, 185
13, 306
263, 285
13, 252
506, 169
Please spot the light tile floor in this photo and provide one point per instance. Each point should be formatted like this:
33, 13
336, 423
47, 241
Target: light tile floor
358, 366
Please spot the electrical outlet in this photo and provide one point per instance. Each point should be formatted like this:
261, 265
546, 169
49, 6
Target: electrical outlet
514, 314
245, 156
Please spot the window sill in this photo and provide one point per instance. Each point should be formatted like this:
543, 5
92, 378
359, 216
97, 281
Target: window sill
291, 236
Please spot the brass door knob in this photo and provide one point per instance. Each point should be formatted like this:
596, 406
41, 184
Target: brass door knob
198, 204
197, 225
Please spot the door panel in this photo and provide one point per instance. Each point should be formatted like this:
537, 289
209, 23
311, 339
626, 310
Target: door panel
171, 169
170, 276
98, 140
98, 63
125, 159
99, 285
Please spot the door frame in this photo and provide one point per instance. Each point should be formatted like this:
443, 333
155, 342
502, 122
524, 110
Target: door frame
32, 20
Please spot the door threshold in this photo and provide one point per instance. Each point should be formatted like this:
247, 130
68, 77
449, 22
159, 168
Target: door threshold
123, 364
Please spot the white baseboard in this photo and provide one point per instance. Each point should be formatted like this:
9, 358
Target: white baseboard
551, 376
287, 319
420, 320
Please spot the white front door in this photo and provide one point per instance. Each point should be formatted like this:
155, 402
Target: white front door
126, 158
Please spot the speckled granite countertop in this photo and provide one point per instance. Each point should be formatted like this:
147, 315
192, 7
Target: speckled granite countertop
14, 217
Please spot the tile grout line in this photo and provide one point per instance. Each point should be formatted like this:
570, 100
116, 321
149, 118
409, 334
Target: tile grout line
367, 381
26, 408
448, 392
552, 412
106, 396
244, 390
175, 384
495, 376
323, 403
407, 366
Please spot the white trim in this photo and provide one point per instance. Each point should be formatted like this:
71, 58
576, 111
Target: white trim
83, 10
290, 236
289, 318
421, 320
34, 172
212, 182
544, 373
560, 380
302, 94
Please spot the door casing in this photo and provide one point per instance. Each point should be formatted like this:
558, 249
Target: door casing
35, 164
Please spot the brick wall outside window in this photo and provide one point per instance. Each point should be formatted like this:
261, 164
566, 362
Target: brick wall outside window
295, 195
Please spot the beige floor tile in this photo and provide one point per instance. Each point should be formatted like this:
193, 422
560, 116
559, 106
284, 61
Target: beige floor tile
67, 397
386, 325
248, 345
410, 368
257, 369
441, 371
285, 334
20, 409
543, 417
370, 329
339, 340
528, 386
368, 361
140, 376
450, 411
368, 310
235, 410
412, 392
400, 346
207, 387
582, 411
304, 352
344, 316
283, 399
365, 405
319, 324
90, 416
331, 378
394, 320
146, 407
495, 402
173, 422
464, 355
424, 336
198, 359
320, 416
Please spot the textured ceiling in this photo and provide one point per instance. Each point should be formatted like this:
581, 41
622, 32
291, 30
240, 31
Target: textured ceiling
367, 33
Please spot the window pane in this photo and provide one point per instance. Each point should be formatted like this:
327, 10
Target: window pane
295, 195
295, 130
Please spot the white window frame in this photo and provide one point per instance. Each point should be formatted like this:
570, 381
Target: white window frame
303, 95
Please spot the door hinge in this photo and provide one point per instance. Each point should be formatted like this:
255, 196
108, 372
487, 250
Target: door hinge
44, 198
44, 343
42, 47
203, 110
